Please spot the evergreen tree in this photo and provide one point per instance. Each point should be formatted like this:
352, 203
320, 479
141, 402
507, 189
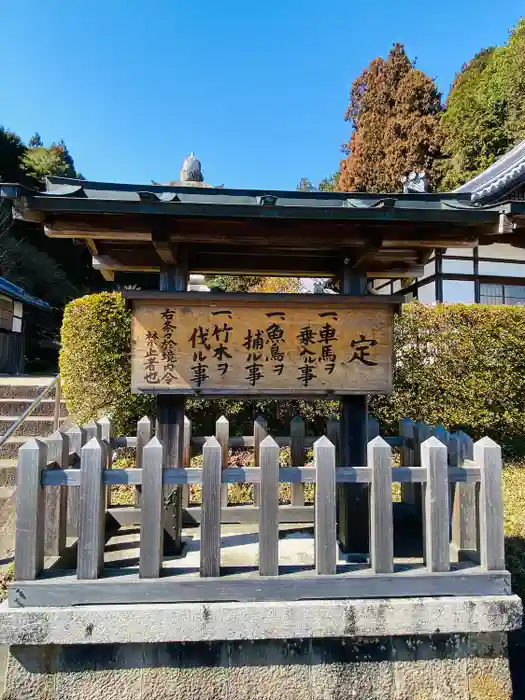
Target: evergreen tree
394, 111
485, 110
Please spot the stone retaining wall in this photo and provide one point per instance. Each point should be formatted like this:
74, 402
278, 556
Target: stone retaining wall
453, 667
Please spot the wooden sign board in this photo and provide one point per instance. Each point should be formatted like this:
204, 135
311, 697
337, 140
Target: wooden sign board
260, 344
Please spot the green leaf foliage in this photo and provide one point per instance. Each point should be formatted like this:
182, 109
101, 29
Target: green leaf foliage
460, 365
485, 110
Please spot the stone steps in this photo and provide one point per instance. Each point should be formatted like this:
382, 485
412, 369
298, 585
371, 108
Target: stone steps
24, 387
16, 407
33, 426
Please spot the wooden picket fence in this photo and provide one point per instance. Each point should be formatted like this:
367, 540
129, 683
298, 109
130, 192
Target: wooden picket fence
69, 475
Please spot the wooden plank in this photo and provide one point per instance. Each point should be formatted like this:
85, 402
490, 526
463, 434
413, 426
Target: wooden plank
252, 475
325, 520
434, 459
56, 497
381, 515
222, 435
260, 431
297, 456
186, 459
152, 529
491, 519
104, 426
144, 429
92, 511
92, 430
465, 499
243, 515
127, 589
170, 431
30, 510
353, 510
269, 508
210, 563
77, 438
247, 318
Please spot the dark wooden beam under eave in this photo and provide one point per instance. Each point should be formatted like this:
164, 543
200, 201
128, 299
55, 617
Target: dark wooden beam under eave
107, 273
165, 249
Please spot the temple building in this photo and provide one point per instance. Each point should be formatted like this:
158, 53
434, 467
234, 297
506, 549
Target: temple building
489, 273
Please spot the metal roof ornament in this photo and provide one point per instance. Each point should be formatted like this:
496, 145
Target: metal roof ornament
415, 182
191, 170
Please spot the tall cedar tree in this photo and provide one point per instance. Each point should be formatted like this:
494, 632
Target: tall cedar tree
485, 110
394, 111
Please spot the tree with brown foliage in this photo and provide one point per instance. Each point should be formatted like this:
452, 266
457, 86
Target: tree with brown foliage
394, 111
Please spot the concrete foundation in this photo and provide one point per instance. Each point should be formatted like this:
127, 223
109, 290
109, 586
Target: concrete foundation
395, 649
455, 667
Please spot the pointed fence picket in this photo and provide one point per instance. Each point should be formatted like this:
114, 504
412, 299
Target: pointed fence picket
440, 463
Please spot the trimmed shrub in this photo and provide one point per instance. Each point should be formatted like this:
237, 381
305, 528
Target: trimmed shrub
459, 365
462, 366
95, 361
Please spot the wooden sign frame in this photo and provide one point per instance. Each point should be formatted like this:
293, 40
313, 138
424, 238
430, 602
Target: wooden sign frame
300, 345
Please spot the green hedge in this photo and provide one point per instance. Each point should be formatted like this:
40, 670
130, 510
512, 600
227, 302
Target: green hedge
460, 365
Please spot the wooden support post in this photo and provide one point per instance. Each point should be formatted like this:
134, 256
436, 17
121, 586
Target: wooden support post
56, 497
170, 418
260, 431
353, 498
325, 521
151, 527
77, 438
381, 522
297, 456
210, 564
434, 460
143, 437
104, 432
30, 510
465, 498
92, 511
487, 454
222, 435
269, 508
186, 459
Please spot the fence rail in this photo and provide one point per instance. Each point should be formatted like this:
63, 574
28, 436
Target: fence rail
64, 482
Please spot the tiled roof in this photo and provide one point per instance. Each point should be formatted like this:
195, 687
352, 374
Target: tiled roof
11, 290
500, 178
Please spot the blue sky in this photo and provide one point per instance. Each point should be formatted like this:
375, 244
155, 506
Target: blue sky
257, 90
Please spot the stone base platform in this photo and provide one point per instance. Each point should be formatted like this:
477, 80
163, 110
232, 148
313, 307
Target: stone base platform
394, 649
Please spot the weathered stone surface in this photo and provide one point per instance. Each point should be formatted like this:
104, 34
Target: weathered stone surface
195, 622
489, 679
105, 672
439, 667
269, 669
185, 671
30, 673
